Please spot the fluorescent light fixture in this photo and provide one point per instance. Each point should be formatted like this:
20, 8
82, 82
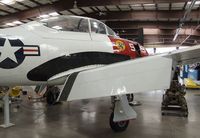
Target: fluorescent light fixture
197, 2
10, 24
44, 16
8, 2
43, 20
135, 5
53, 14
17, 22
149, 4
46, 19
57, 27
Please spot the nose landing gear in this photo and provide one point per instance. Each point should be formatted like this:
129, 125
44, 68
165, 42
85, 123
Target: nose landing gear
118, 126
122, 112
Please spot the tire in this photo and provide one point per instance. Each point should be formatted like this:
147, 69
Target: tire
52, 95
130, 97
118, 126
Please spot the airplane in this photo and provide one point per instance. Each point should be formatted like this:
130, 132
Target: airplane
88, 60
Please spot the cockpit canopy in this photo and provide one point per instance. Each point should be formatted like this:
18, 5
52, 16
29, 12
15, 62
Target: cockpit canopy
77, 24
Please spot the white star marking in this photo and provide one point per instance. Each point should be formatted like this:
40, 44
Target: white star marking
7, 51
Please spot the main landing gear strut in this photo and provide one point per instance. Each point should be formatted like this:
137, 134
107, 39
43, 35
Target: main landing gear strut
122, 112
52, 94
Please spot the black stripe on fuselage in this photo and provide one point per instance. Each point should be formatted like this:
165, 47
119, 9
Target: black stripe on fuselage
64, 63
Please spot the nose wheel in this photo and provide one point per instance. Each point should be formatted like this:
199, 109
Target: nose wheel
118, 126
121, 113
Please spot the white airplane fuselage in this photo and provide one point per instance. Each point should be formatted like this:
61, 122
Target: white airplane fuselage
33, 53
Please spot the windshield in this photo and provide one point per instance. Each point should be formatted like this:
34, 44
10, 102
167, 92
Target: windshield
110, 31
67, 23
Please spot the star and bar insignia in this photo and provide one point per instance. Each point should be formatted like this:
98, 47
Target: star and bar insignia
13, 52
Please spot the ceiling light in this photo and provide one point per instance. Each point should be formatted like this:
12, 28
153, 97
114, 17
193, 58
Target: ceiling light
44, 20
8, 2
197, 2
17, 22
149, 4
54, 14
10, 24
44, 16
57, 27
135, 5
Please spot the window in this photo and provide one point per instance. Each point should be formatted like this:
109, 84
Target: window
97, 27
67, 23
110, 31
83, 25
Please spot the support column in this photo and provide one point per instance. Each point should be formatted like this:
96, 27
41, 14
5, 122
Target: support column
6, 112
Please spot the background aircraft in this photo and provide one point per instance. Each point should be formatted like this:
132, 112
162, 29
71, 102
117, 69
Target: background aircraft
72, 51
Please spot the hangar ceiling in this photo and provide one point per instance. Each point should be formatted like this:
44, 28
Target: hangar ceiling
156, 19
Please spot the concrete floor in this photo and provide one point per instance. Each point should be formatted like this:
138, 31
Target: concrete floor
89, 118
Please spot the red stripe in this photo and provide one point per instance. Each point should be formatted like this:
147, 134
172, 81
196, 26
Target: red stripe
30, 50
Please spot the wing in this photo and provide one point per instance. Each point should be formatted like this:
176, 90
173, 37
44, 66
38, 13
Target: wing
133, 76
150, 73
185, 56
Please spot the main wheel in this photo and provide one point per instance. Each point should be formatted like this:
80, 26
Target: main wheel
51, 95
118, 126
130, 97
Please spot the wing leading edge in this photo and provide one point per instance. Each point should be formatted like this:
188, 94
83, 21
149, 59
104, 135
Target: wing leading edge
185, 56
